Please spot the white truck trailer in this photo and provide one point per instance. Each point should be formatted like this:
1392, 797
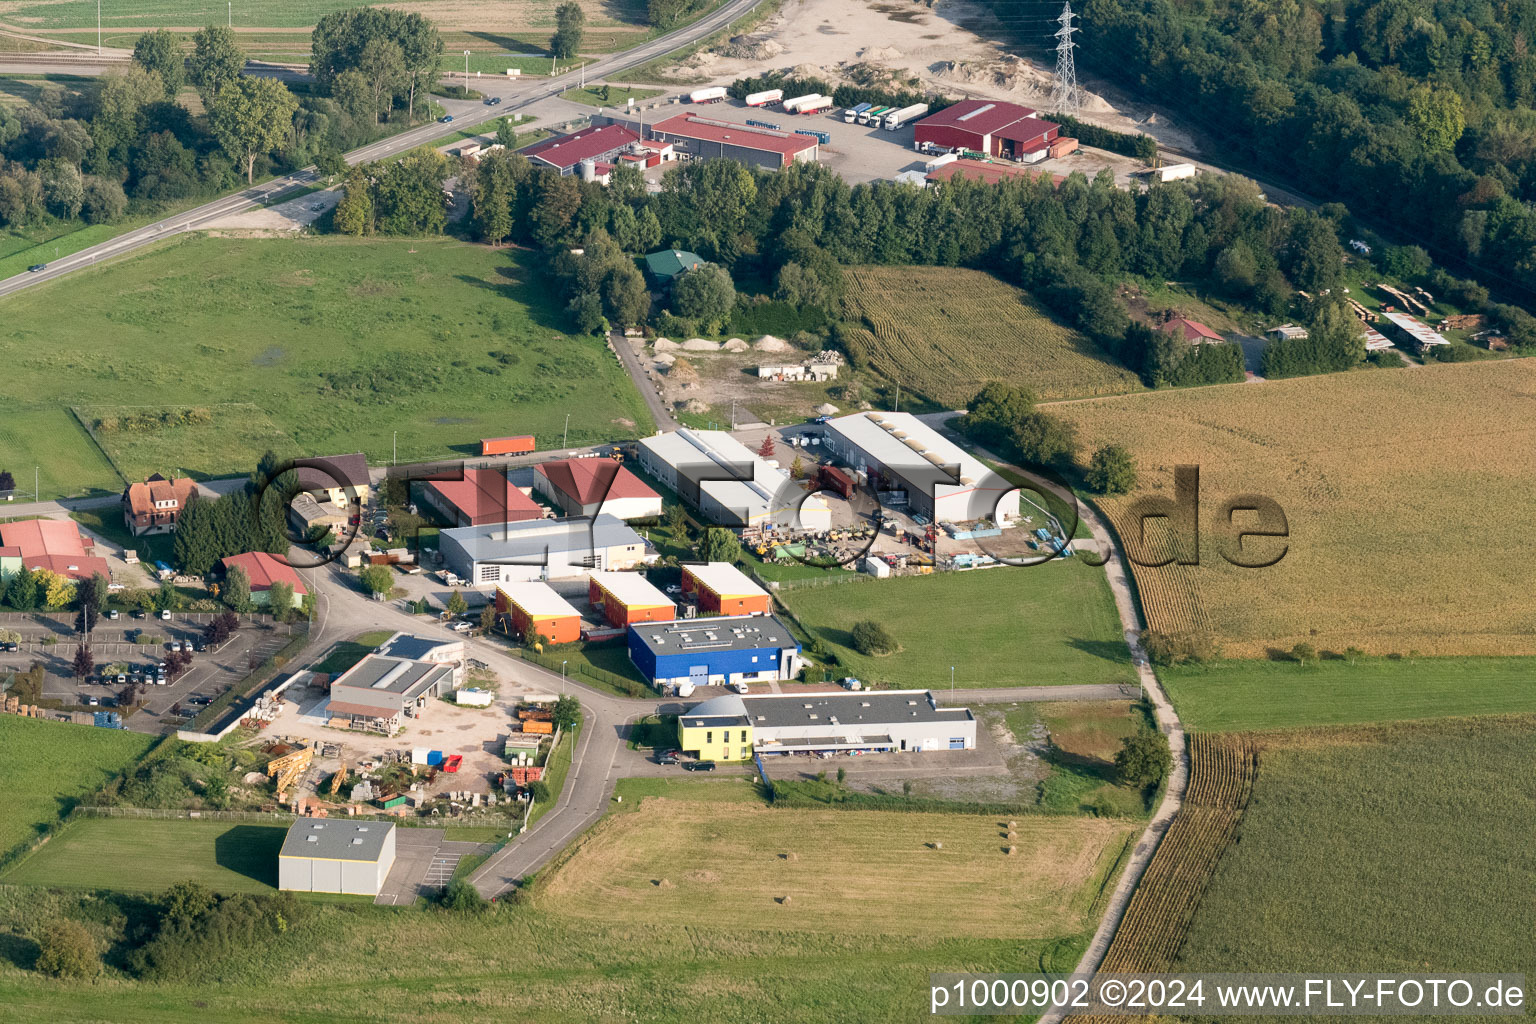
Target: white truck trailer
896, 118
1173, 172
766, 98
711, 95
794, 103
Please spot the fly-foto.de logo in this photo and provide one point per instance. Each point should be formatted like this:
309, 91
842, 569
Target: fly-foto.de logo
1248, 530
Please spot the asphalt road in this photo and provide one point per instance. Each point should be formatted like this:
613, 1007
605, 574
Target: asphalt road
647, 387
515, 95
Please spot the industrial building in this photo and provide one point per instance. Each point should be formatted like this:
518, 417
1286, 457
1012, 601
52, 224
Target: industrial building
53, 544
728, 483
542, 549
733, 728
478, 497
263, 570
679, 656
990, 127
325, 855
707, 137
534, 609
398, 679
566, 152
722, 589
627, 598
587, 487
910, 463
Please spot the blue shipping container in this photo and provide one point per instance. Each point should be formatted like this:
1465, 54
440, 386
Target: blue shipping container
764, 124
434, 758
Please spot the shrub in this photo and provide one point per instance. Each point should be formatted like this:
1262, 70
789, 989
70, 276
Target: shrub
1144, 759
66, 950
461, 897
870, 637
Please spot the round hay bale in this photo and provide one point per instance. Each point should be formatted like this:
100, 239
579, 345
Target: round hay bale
790, 856
1013, 824
938, 846
662, 883
1011, 850
1012, 834
786, 900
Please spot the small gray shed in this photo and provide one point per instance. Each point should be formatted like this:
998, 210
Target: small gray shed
330, 855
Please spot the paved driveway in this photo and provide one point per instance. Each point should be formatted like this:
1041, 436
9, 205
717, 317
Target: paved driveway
424, 864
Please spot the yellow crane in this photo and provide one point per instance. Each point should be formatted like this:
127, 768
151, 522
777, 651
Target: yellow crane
287, 769
341, 774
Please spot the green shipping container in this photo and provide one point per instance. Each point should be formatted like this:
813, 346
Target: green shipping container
394, 801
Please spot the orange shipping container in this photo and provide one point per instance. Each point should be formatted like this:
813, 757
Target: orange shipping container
533, 725
521, 444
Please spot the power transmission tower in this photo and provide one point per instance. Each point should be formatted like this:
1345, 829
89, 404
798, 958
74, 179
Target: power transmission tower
1068, 97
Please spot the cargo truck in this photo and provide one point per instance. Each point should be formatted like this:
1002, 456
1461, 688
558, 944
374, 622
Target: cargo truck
519, 445
765, 98
874, 115
794, 103
852, 113
714, 94
896, 118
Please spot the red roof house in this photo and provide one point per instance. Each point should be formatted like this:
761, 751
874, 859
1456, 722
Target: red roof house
154, 505
263, 570
482, 496
584, 487
1191, 331
53, 544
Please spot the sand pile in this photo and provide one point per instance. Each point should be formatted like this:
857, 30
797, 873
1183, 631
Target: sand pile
701, 345
664, 345
735, 345
768, 343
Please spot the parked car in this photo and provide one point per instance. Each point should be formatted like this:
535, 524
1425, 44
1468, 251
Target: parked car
109, 702
198, 646
673, 588
12, 646
37, 268
165, 613
700, 766
174, 645
668, 759
112, 613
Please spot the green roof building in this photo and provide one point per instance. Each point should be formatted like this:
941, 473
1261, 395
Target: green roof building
668, 263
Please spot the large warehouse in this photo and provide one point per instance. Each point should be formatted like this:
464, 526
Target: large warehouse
534, 609
727, 482
733, 728
542, 549
628, 597
585, 487
706, 137
722, 589
325, 855
905, 456
481, 496
399, 679
565, 153
727, 649
994, 128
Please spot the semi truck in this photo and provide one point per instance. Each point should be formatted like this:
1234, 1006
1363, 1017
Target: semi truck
874, 115
852, 113
896, 118
794, 103
816, 106
713, 94
766, 98
519, 445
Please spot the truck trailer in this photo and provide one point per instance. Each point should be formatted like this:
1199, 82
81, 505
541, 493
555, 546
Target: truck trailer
519, 445
852, 113
896, 118
819, 105
711, 95
1173, 172
794, 103
766, 98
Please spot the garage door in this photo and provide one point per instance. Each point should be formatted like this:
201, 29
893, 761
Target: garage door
957, 743
698, 675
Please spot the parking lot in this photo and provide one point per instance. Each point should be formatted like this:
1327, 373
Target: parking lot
212, 671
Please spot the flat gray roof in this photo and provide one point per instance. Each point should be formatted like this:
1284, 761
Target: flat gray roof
387, 682
408, 645
715, 633
334, 839
872, 710
532, 537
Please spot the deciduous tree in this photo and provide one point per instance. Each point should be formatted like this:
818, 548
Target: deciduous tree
251, 117
216, 60
160, 51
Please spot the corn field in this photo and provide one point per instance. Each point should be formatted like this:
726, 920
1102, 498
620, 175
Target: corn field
1399, 490
943, 332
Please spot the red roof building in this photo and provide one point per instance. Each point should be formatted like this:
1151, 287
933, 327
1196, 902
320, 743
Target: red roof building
482, 496
585, 487
1191, 331
706, 137
997, 129
154, 505
263, 570
991, 174
566, 152
53, 544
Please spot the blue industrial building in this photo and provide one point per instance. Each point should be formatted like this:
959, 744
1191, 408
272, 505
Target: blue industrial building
679, 656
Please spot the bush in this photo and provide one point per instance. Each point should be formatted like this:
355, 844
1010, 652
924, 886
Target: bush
1144, 759
66, 950
1166, 649
462, 897
870, 638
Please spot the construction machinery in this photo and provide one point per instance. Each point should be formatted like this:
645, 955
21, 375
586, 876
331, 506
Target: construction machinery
340, 776
287, 769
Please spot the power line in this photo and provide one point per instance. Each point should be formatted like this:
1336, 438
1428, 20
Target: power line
1068, 97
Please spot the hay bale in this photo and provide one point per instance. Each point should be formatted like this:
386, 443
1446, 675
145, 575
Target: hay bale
785, 900
1013, 824
790, 856
936, 846
1010, 850
662, 883
1012, 835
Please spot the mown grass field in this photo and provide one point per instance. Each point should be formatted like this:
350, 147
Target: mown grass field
944, 332
332, 344
134, 855
49, 765
1403, 849
1036, 626
1401, 492
742, 863
1235, 695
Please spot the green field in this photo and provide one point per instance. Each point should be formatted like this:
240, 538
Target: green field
1042, 625
1406, 849
49, 765
331, 344
150, 855
1241, 695
616, 95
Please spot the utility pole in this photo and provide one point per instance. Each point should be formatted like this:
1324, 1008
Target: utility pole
394, 446
1067, 95
98, 28
951, 683
565, 437
733, 414
229, 14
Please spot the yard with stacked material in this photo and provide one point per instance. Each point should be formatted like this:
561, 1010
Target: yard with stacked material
49, 765
1404, 493
201, 354
1040, 625
1403, 848
943, 332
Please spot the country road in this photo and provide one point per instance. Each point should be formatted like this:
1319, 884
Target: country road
467, 114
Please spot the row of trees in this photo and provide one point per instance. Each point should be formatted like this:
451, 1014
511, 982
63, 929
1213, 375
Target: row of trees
251, 519
382, 54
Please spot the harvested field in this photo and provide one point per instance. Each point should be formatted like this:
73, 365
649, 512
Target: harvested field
944, 332
649, 865
1399, 490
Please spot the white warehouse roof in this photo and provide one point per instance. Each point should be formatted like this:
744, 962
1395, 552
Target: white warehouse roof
899, 439
723, 579
697, 449
1415, 329
537, 599
630, 588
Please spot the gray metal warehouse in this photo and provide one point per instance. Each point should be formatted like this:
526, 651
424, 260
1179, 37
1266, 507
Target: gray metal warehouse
325, 855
